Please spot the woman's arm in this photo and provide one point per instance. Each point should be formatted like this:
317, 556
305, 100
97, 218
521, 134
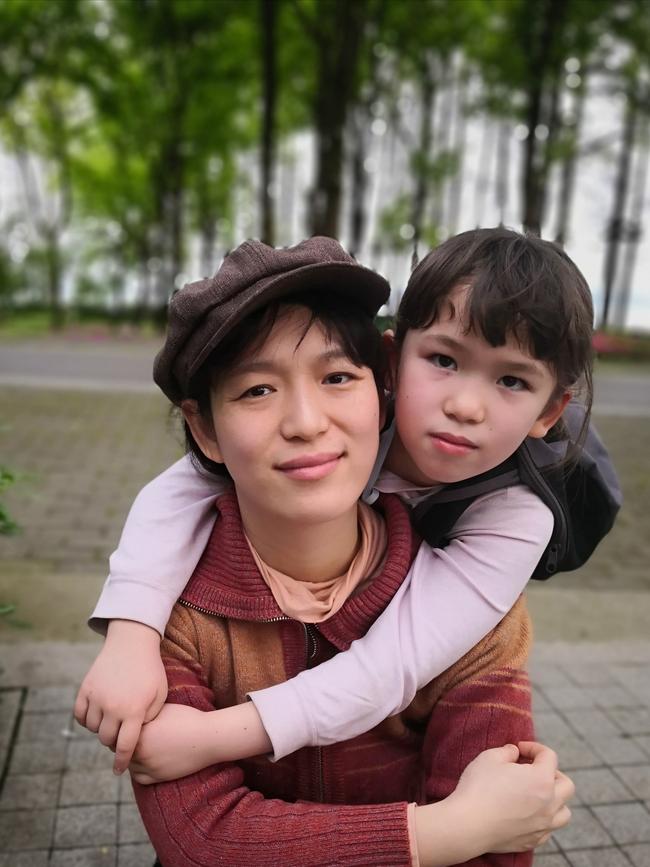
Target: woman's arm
450, 600
212, 817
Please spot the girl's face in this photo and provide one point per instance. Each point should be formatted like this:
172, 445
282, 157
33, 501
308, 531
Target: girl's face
463, 406
297, 425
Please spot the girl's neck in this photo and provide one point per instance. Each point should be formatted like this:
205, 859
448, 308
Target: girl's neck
305, 552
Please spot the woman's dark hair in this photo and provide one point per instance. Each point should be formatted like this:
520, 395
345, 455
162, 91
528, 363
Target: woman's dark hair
518, 285
342, 321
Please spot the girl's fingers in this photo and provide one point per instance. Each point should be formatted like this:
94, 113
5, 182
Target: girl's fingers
108, 730
127, 740
561, 818
140, 775
81, 708
93, 718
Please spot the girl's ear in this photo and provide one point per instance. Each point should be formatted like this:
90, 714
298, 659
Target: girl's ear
202, 430
550, 415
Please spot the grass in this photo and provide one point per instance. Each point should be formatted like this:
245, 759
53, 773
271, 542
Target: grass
35, 324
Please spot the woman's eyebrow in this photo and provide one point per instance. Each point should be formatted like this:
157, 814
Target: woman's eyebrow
269, 365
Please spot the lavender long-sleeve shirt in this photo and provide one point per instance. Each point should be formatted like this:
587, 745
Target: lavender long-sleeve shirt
451, 598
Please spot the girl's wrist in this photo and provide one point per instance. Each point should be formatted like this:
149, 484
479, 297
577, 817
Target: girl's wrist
132, 630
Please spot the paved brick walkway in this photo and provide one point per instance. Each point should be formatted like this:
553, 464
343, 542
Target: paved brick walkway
61, 805
82, 457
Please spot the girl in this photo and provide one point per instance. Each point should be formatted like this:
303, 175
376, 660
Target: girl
288, 398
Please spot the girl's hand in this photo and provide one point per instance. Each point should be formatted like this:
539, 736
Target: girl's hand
498, 805
183, 740
125, 687
175, 744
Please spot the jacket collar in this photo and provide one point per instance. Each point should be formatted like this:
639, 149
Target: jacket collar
227, 583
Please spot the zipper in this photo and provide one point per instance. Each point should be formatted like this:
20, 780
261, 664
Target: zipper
215, 614
311, 650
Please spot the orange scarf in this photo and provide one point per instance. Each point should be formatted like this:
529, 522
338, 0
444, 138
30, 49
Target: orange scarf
315, 601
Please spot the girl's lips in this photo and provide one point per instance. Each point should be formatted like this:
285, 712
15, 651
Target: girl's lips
310, 467
450, 445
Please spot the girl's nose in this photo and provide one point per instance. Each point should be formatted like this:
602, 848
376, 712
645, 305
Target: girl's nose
304, 416
465, 405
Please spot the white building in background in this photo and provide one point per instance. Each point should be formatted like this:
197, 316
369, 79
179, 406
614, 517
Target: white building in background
387, 165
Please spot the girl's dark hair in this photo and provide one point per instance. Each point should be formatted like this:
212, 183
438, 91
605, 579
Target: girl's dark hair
518, 286
343, 322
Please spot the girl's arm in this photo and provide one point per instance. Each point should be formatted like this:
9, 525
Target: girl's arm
152, 564
126, 684
451, 599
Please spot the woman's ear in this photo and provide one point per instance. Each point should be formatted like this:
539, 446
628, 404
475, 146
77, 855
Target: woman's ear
550, 415
202, 430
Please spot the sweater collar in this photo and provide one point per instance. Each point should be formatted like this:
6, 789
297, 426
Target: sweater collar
227, 582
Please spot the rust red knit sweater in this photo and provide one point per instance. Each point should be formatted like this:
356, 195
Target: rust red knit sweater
340, 805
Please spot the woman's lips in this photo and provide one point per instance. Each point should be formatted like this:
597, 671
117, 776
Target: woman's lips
452, 445
310, 467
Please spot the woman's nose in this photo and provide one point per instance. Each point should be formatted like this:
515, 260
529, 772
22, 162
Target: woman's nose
304, 416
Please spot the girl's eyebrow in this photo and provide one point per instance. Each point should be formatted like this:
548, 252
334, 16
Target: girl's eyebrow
530, 368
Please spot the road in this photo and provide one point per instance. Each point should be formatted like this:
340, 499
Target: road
126, 367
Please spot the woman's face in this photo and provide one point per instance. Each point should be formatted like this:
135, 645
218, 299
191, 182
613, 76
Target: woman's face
297, 425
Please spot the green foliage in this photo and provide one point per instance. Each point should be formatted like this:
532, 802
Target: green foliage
7, 525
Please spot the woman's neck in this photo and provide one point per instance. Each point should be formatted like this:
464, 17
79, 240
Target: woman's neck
306, 552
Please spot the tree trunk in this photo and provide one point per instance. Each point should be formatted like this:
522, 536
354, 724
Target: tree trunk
268, 17
616, 227
540, 51
53, 260
635, 230
359, 178
423, 154
569, 168
339, 42
484, 167
458, 144
502, 169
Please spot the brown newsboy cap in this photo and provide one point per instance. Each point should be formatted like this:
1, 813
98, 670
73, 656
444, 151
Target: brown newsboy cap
202, 313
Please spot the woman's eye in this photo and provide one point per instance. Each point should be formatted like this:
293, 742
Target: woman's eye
257, 391
446, 362
513, 383
338, 378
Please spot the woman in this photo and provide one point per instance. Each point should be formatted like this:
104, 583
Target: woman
280, 377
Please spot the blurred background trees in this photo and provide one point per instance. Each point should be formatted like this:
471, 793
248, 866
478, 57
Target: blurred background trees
140, 139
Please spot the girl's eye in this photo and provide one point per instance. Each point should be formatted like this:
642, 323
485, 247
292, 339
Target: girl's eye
513, 383
338, 378
257, 391
445, 362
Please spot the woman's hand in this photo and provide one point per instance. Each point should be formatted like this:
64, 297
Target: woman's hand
499, 805
125, 687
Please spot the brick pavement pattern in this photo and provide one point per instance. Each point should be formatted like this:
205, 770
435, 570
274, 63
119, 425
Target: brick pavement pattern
61, 805
80, 458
